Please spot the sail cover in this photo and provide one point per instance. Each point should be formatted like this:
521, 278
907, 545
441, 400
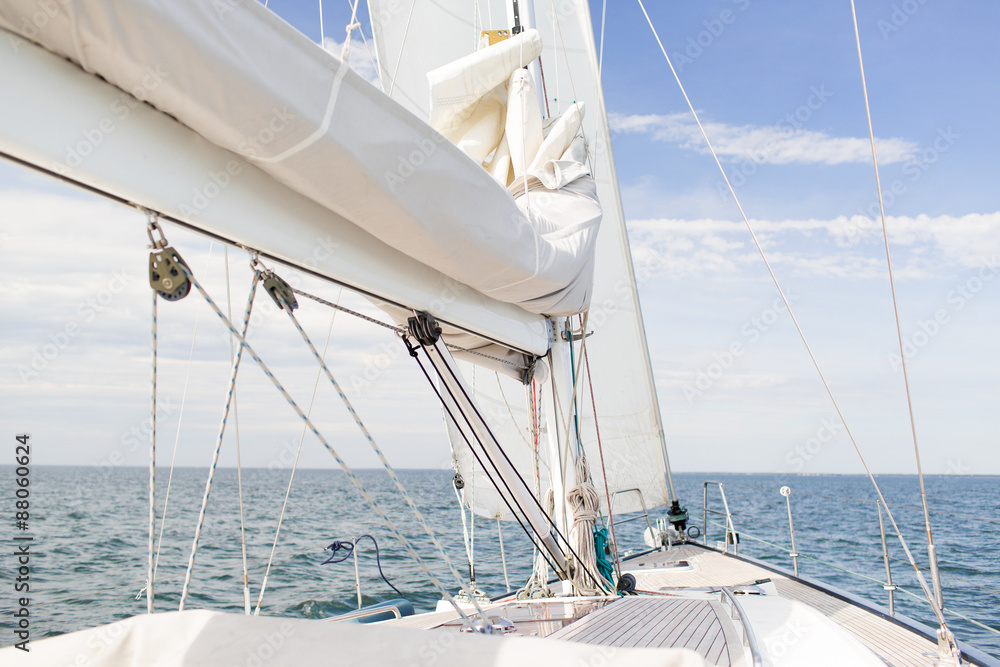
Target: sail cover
414, 38
245, 80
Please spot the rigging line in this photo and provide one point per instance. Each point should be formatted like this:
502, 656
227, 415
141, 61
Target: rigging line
239, 458
555, 529
345, 50
465, 530
402, 45
295, 465
600, 60
510, 412
381, 456
600, 450
791, 314
503, 554
180, 419
150, 569
577, 374
218, 446
319, 436
527, 531
931, 550
364, 40
322, 38
337, 306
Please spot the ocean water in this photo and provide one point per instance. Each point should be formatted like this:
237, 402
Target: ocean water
90, 535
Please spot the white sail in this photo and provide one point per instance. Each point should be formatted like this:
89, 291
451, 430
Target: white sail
252, 84
413, 38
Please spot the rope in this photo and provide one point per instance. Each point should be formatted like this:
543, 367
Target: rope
465, 531
349, 548
291, 476
355, 313
150, 569
400, 330
503, 554
343, 465
218, 445
180, 421
345, 52
451, 415
931, 550
487, 356
600, 450
321, 36
584, 502
600, 59
239, 458
402, 44
378, 452
791, 313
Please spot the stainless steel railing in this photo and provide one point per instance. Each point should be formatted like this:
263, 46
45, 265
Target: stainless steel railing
731, 535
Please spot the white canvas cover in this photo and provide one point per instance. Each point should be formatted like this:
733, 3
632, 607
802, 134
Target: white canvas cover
413, 38
247, 81
212, 639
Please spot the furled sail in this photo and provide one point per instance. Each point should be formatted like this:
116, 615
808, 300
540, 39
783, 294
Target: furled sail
249, 83
414, 38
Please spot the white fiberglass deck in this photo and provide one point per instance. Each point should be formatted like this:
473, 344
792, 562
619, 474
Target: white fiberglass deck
683, 609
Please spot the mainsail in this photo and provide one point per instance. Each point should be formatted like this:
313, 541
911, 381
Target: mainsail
304, 119
413, 38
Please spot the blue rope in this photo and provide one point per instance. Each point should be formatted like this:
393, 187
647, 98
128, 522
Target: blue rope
348, 546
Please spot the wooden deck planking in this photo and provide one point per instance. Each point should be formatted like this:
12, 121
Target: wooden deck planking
892, 642
656, 622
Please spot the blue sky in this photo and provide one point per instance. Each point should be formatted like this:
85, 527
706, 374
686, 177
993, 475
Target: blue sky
778, 87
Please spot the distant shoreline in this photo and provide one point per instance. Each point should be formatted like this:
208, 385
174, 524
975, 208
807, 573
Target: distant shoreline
684, 472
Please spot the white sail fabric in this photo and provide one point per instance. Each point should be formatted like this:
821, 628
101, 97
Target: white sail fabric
250, 83
502, 404
413, 38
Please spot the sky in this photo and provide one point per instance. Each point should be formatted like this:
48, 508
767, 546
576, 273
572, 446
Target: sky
778, 89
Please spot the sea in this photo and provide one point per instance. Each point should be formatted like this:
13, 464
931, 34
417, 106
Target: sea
90, 528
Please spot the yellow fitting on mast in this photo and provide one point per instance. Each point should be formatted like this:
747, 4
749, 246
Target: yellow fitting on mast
496, 36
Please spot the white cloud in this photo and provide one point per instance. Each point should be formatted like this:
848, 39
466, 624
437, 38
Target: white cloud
841, 247
774, 144
361, 58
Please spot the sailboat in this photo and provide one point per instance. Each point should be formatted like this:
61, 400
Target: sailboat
479, 209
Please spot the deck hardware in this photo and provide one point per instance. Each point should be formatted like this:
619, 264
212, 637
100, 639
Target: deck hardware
732, 537
787, 493
168, 274
280, 291
424, 328
889, 587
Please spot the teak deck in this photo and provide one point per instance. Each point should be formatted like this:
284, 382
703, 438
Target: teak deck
703, 625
